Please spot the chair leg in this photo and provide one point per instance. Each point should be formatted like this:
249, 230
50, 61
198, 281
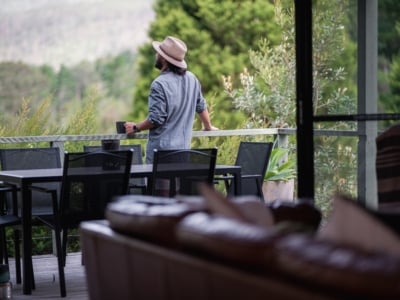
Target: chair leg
3, 247
33, 277
64, 245
17, 255
172, 187
227, 186
259, 190
4, 252
60, 261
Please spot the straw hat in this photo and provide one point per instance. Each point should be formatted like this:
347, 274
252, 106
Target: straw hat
173, 50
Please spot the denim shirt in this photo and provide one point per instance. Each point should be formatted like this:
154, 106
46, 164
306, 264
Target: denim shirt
173, 102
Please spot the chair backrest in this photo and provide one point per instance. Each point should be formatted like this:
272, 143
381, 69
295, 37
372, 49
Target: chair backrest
187, 167
137, 157
33, 158
253, 157
29, 158
90, 181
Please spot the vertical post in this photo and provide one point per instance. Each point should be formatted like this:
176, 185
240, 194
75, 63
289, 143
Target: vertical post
367, 100
304, 91
283, 140
60, 146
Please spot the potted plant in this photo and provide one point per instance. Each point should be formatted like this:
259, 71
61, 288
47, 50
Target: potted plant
279, 177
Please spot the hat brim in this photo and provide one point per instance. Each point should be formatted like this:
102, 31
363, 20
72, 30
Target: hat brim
178, 63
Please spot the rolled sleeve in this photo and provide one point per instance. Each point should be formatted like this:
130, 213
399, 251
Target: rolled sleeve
157, 105
201, 104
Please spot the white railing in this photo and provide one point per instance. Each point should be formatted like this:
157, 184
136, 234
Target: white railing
59, 140
280, 135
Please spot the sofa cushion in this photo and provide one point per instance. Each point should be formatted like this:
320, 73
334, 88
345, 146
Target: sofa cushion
354, 225
300, 211
148, 217
228, 239
340, 267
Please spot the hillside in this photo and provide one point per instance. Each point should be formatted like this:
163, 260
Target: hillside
69, 31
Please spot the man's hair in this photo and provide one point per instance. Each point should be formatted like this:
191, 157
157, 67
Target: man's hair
175, 69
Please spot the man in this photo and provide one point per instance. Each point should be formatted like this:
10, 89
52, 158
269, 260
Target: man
175, 96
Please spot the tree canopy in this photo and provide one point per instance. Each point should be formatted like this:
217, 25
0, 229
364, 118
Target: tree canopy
218, 35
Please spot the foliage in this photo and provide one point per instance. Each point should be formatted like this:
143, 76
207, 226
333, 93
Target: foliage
112, 77
40, 101
279, 167
19, 81
389, 39
339, 163
117, 74
218, 35
394, 84
35, 122
28, 122
267, 96
389, 75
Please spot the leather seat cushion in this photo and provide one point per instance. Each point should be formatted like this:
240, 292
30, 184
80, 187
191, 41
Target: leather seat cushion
228, 239
152, 218
340, 267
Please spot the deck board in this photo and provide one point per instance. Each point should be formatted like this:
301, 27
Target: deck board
46, 279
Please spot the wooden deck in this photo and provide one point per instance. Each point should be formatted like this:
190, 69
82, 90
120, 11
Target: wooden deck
46, 279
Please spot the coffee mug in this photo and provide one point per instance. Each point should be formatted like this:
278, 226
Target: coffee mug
120, 126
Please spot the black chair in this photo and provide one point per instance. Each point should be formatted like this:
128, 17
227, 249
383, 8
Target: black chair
9, 218
182, 167
137, 159
253, 157
90, 181
33, 158
23, 159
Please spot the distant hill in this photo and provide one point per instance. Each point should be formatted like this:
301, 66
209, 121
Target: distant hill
56, 32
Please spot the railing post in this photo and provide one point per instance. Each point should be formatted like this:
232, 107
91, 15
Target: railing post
60, 146
283, 140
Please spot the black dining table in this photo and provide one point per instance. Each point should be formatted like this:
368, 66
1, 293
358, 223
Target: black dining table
25, 178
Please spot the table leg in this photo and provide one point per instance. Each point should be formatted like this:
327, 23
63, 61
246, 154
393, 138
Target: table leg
27, 280
237, 178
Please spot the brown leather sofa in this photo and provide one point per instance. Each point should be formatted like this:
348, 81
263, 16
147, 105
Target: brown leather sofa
148, 250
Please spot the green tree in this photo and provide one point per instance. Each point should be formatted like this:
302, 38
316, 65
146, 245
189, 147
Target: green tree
118, 75
35, 120
113, 77
268, 94
66, 86
218, 35
393, 105
388, 37
389, 87
18, 81
388, 58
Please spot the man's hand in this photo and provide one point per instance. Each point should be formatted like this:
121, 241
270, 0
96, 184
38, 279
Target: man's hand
210, 128
129, 127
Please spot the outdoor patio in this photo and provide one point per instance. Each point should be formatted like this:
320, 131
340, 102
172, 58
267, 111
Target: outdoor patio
46, 278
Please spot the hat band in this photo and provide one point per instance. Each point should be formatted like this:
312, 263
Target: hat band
174, 57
